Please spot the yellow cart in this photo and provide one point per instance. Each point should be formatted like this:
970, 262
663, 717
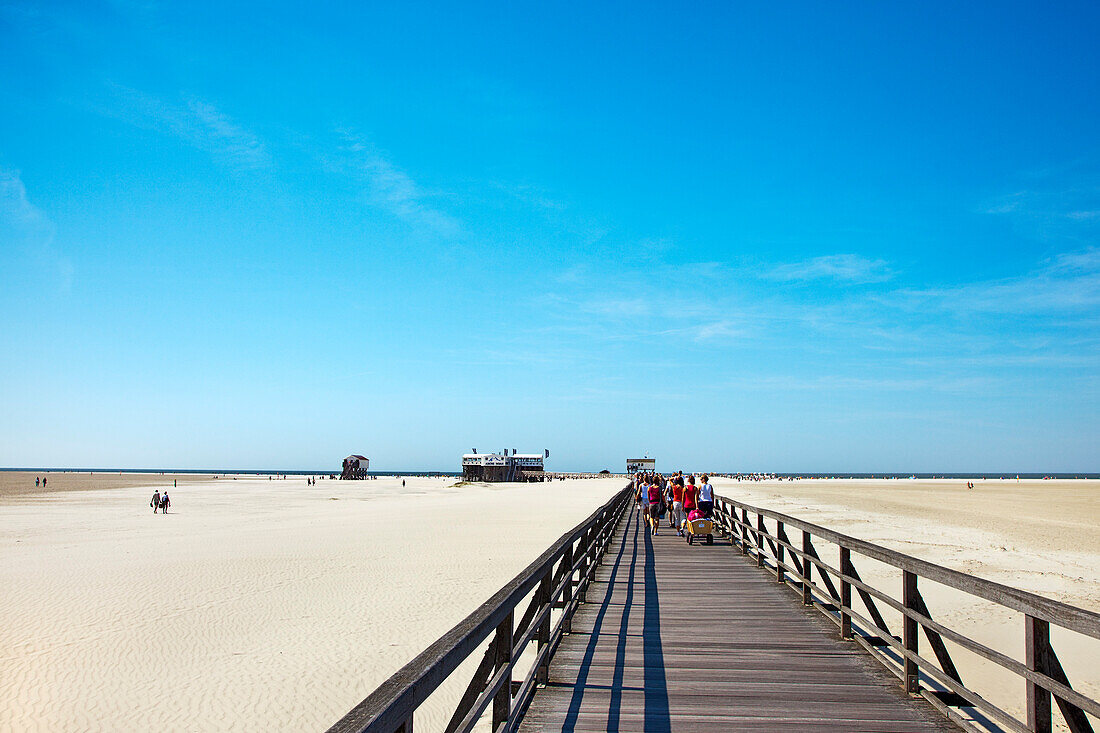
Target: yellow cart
699, 529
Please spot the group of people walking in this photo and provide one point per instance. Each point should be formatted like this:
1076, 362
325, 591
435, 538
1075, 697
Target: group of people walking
160, 501
679, 498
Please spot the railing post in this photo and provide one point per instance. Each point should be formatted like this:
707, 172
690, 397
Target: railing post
586, 544
594, 546
567, 593
545, 590
745, 531
605, 537
502, 657
779, 553
845, 593
807, 570
759, 540
909, 635
1037, 651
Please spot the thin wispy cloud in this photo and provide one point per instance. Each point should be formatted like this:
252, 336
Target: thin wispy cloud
709, 330
1067, 283
16, 208
846, 268
196, 122
220, 133
529, 194
839, 383
1084, 215
1059, 208
23, 222
389, 187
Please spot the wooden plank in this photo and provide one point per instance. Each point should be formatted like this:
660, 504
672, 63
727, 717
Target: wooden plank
676, 637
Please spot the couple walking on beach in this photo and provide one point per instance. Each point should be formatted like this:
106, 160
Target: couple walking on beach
160, 502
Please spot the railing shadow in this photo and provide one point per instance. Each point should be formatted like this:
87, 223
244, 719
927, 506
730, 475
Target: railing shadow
580, 686
615, 706
657, 718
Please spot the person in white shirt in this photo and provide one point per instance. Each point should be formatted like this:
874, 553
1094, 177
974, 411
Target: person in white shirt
706, 497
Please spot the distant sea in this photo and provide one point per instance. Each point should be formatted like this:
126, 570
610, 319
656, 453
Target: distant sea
840, 475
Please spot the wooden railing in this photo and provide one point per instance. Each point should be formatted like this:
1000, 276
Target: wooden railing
1042, 674
557, 580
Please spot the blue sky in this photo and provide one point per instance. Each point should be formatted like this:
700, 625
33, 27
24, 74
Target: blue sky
789, 237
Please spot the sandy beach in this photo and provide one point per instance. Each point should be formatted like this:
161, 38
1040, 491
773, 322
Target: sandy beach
1037, 535
259, 604
253, 604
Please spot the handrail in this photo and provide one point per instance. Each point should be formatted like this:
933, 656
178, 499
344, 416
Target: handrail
1062, 614
390, 708
1042, 673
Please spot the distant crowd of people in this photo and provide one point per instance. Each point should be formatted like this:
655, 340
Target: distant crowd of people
681, 498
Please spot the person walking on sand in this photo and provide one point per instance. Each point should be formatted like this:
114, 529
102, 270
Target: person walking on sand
155, 501
164, 503
37, 481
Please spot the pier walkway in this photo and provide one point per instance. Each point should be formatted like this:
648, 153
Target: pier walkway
694, 638
613, 629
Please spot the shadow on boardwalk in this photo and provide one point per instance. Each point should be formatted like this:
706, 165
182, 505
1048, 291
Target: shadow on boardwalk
678, 637
655, 690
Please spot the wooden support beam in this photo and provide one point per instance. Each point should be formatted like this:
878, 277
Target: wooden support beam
1076, 719
543, 674
759, 540
1036, 651
502, 657
780, 550
583, 556
782, 534
478, 682
869, 602
824, 575
845, 593
567, 594
934, 640
745, 533
807, 571
909, 633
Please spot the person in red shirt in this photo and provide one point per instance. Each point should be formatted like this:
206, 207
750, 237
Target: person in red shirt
691, 494
654, 506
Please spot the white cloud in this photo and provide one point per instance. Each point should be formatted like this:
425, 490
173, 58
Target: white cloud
196, 122
1070, 282
389, 187
219, 132
708, 330
21, 220
15, 207
848, 268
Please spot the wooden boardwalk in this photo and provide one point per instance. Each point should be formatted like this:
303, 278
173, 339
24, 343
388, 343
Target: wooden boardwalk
695, 638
